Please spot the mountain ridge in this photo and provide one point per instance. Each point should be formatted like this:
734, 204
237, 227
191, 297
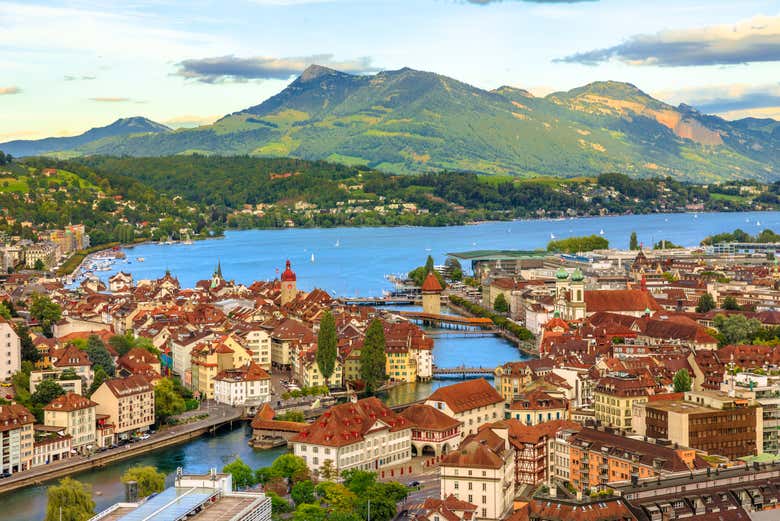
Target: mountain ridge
407, 120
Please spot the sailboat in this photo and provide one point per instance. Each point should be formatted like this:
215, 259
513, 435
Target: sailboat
312, 257
758, 223
601, 232
338, 243
552, 236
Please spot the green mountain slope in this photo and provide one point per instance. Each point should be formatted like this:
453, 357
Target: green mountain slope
410, 121
119, 128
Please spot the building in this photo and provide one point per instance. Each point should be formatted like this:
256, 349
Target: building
431, 294
534, 449
10, 350
472, 403
16, 438
536, 407
481, 472
710, 421
449, 509
258, 341
615, 395
69, 386
246, 386
598, 459
364, 435
289, 285
433, 432
208, 497
45, 252
50, 445
210, 358
128, 403
71, 357
75, 415
570, 294
119, 282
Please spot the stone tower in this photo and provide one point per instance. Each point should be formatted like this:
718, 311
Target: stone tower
431, 294
289, 288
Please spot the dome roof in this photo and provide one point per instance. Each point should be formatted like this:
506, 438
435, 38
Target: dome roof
288, 275
577, 275
561, 274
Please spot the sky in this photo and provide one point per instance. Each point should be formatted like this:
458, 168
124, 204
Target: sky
67, 66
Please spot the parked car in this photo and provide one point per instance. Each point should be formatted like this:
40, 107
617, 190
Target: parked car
5, 475
413, 484
144, 437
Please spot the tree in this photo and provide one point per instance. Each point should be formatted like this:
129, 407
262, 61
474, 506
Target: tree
682, 381
358, 481
500, 304
578, 244
279, 505
454, 269
327, 345
39, 265
429, 265
302, 492
98, 378
705, 304
45, 312
243, 476
310, 513
99, 355
29, 351
337, 496
382, 507
288, 466
70, 500
730, 303
5, 311
46, 391
372, 357
291, 416
149, 480
633, 243
167, 402
327, 471
736, 329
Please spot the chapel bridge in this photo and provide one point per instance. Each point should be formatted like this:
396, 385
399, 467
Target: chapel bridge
463, 371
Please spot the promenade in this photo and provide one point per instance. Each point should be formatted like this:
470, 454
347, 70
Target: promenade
218, 415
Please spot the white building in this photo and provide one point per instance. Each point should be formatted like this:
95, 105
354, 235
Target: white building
473, 402
249, 385
482, 471
10, 350
258, 341
363, 435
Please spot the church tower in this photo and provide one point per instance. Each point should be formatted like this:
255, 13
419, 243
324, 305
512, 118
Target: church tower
561, 293
431, 294
216, 277
577, 295
289, 289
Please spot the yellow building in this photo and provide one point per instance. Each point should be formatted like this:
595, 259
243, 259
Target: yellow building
614, 398
76, 415
210, 358
128, 403
310, 375
400, 365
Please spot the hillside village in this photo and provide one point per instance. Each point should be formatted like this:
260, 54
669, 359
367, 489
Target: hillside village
652, 365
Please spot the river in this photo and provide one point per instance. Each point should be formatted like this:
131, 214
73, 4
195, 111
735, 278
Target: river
351, 262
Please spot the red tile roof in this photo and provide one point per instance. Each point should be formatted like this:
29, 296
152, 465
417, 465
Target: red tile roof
135, 384
14, 416
616, 300
467, 395
429, 418
70, 402
431, 283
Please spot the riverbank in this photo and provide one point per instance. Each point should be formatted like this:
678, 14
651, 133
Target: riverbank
175, 435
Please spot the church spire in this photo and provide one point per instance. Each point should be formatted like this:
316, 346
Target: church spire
218, 271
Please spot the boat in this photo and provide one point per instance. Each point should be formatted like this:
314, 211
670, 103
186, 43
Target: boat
552, 236
601, 232
312, 257
338, 243
140, 259
758, 223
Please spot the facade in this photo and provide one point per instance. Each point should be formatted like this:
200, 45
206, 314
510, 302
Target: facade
364, 435
433, 432
50, 445
246, 386
710, 421
75, 415
258, 341
537, 407
482, 472
16, 438
614, 398
431, 294
289, 285
534, 449
10, 350
210, 358
128, 403
69, 386
472, 403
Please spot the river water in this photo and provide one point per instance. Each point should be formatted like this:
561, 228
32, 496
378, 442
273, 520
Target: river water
352, 262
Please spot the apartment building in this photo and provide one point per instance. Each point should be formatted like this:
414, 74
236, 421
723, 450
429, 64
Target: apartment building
75, 414
245, 386
614, 397
16, 438
472, 403
128, 403
10, 350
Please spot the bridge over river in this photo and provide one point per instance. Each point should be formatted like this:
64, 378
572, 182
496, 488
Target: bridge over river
463, 371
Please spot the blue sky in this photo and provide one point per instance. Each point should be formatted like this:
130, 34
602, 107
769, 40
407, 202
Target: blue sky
67, 66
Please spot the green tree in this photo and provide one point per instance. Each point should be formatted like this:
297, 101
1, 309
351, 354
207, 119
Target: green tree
70, 500
327, 470
310, 513
167, 402
279, 505
730, 304
46, 391
5, 311
429, 265
289, 466
98, 378
99, 355
633, 243
29, 351
337, 496
736, 329
45, 312
150, 480
578, 244
302, 492
382, 507
454, 269
327, 345
372, 357
358, 481
243, 476
500, 305
682, 381
705, 304
39, 265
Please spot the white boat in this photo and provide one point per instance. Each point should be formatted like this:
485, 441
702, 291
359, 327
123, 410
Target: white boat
758, 223
312, 257
140, 259
552, 236
601, 232
338, 243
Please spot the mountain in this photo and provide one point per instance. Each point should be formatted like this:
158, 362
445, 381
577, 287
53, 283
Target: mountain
120, 128
410, 121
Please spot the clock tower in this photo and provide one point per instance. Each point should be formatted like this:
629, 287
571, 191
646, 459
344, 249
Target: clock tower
289, 289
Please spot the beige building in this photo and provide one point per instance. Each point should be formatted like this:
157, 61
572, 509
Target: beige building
75, 414
128, 403
473, 403
482, 471
614, 398
51, 444
16, 438
246, 386
258, 341
10, 350
69, 386
211, 358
